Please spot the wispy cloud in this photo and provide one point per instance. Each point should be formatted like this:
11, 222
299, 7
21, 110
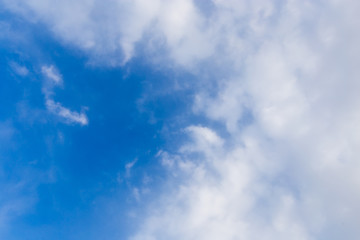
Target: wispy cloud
66, 114
52, 79
6, 131
14, 202
19, 69
17, 183
129, 166
52, 74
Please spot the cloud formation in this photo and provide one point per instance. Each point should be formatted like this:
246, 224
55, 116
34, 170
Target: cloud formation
110, 31
287, 166
225, 193
287, 95
52, 79
64, 113
18, 69
52, 74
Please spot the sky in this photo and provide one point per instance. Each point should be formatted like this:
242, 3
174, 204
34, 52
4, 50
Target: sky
181, 119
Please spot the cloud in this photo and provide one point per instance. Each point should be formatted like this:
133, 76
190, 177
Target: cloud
52, 74
286, 92
18, 69
6, 131
18, 183
129, 166
290, 108
65, 114
110, 32
19, 198
229, 198
16, 200
53, 78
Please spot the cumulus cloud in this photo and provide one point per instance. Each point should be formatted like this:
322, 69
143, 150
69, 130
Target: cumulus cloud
225, 194
287, 95
287, 166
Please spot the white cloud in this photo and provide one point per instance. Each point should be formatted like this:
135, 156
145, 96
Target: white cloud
18, 69
291, 171
64, 113
129, 166
52, 74
53, 78
109, 31
224, 195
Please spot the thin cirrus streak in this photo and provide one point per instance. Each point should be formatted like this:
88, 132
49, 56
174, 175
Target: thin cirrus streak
286, 75
53, 79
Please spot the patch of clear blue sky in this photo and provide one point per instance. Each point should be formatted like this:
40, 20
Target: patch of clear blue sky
70, 172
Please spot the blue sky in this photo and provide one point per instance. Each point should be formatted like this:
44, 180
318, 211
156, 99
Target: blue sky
181, 119
74, 170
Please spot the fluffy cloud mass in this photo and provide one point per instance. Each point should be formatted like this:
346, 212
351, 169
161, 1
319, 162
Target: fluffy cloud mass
287, 93
288, 166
